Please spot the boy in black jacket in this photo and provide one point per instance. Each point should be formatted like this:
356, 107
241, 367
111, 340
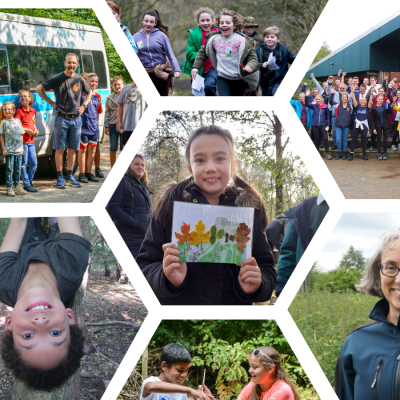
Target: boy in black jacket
271, 79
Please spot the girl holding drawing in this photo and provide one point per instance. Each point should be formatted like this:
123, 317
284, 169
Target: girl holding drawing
232, 55
210, 158
205, 18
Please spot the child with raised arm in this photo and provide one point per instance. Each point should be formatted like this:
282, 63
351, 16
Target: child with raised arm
174, 363
39, 275
27, 115
11, 145
211, 161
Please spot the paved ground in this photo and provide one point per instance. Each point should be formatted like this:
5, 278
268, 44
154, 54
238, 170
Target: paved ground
48, 193
372, 179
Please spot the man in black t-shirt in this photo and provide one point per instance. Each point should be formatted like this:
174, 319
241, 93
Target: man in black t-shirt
67, 87
39, 275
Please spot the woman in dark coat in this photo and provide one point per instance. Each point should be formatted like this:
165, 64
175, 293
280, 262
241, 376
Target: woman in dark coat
130, 206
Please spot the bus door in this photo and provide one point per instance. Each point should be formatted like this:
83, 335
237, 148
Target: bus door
5, 86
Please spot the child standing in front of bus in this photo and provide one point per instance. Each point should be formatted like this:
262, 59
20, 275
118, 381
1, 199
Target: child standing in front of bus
27, 115
89, 132
11, 131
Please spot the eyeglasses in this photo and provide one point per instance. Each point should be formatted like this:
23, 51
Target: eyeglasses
389, 269
257, 353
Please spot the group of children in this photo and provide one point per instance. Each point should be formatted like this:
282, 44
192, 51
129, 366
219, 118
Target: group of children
18, 130
367, 110
269, 379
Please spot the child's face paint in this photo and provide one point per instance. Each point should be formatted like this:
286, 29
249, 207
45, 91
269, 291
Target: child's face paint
40, 327
210, 164
259, 374
205, 22
8, 111
271, 41
149, 23
137, 166
177, 373
226, 25
117, 86
93, 82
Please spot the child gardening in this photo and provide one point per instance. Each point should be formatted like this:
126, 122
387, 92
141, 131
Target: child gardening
39, 275
27, 115
11, 145
271, 79
174, 363
232, 55
210, 158
110, 119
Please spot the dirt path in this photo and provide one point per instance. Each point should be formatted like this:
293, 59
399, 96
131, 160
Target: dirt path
104, 301
48, 193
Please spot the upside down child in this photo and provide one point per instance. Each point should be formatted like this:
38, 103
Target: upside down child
39, 275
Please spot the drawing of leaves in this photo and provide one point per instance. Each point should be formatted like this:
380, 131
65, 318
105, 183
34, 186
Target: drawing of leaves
241, 236
226, 237
185, 237
231, 238
220, 234
198, 236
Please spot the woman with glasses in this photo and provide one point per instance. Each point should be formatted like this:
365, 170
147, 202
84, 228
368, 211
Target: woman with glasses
368, 367
269, 379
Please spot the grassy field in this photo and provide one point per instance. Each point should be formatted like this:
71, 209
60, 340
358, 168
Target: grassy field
325, 319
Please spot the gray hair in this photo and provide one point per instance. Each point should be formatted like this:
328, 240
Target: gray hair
371, 281
72, 54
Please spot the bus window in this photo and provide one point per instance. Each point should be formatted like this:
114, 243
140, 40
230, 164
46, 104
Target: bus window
87, 63
3, 69
30, 66
100, 69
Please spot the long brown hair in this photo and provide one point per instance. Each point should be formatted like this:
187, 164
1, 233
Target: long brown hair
175, 191
280, 372
237, 18
154, 13
145, 177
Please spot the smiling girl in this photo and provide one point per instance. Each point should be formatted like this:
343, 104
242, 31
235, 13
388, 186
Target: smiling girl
232, 55
204, 17
269, 379
155, 52
210, 159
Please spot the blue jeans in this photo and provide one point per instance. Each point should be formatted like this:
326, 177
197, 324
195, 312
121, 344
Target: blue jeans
227, 87
341, 137
210, 82
28, 157
114, 135
67, 133
270, 92
13, 169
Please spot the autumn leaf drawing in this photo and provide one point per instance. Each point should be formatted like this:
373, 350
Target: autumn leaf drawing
241, 236
185, 237
215, 235
199, 237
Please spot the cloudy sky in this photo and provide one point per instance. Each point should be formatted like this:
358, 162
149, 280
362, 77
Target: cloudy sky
339, 37
362, 230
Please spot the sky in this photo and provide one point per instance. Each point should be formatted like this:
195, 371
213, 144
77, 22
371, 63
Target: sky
361, 230
339, 37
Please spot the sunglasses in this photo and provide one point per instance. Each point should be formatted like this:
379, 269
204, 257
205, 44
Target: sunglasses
257, 353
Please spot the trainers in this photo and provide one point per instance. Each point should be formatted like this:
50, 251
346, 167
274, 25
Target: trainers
380, 157
10, 191
394, 147
71, 181
350, 156
82, 178
344, 155
328, 156
60, 183
365, 157
98, 173
399, 146
384, 157
30, 189
91, 178
371, 148
19, 190
339, 155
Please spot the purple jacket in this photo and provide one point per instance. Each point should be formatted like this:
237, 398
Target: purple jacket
153, 49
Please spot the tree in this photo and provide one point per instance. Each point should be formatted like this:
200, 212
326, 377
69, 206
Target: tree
353, 260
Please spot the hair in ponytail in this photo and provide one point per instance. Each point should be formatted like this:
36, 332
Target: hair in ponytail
273, 360
154, 13
237, 19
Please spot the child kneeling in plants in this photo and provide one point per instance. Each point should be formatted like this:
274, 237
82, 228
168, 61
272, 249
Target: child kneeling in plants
174, 363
